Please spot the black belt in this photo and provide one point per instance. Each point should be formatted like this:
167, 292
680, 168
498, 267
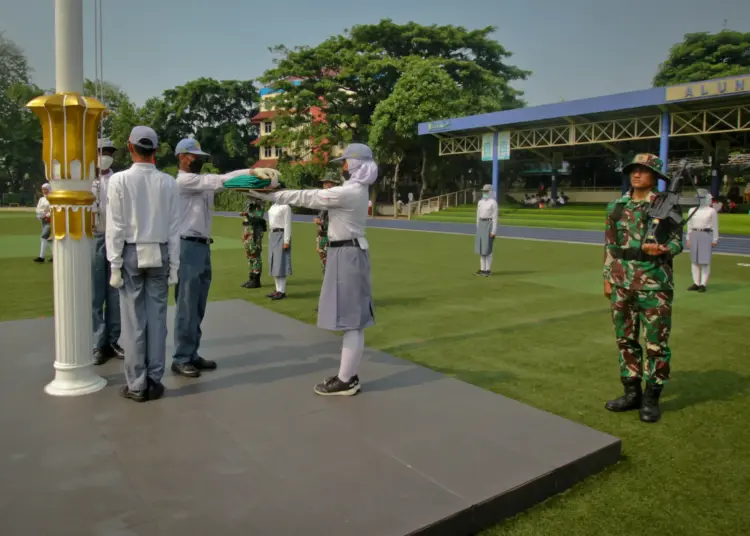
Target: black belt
277, 230
635, 254
198, 239
354, 243
485, 219
705, 230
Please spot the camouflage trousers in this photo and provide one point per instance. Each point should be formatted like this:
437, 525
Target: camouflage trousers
322, 247
652, 310
253, 242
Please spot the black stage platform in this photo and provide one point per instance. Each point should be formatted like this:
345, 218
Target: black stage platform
249, 449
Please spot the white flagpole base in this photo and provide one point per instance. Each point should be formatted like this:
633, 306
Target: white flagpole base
75, 382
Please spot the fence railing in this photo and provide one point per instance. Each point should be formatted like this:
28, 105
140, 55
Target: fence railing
441, 202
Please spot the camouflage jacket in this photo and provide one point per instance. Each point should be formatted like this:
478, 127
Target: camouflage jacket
254, 211
323, 225
624, 266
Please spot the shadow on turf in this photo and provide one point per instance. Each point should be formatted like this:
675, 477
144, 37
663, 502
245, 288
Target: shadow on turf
692, 388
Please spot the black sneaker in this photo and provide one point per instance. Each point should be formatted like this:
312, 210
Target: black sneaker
279, 296
101, 356
487, 273
117, 351
479, 272
702, 288
335, 387
39, 259
186, 369
692, 288
136, 396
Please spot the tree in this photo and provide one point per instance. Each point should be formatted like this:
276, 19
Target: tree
216, 113
21, 168
424, 92
349, 75
703, 56
111, 96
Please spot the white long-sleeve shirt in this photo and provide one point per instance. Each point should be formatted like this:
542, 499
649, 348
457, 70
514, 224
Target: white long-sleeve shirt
143, 207
43, 208
487, 210
99, 189
704, 218
346, 206
280, 217
196, 198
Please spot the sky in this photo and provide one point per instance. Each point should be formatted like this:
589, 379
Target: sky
575, 48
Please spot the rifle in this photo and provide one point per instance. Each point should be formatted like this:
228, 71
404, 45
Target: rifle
665, 208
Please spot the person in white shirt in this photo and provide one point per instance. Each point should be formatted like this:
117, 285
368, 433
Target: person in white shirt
43, 214
143, 248
703, 235
105, 299
280, 247
346, 297
194, 278
486, 229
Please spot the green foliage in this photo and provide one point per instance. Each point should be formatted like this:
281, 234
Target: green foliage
229, 201
703, 56
352, 74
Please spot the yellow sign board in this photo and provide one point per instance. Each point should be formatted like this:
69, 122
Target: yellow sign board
709, 88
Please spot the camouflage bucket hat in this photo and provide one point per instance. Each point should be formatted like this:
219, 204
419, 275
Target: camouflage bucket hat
651, 161
331, 177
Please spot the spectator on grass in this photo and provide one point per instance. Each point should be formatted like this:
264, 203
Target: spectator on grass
43, 214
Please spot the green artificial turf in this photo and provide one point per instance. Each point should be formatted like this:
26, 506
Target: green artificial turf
538, 331
583, 217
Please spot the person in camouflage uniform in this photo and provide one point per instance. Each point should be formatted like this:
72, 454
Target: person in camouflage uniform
638, 282
252, 237
321, 241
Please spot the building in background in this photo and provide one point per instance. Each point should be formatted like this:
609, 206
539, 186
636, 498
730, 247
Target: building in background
266, 120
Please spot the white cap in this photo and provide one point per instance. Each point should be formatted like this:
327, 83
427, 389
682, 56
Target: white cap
487, 188
45, 186
144, 137
105, 143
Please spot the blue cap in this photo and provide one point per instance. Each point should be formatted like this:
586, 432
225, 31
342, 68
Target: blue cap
189, 146
358, 151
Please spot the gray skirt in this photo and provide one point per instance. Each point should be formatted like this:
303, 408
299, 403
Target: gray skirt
279, 259
483, 243
700, 246
46, 230
346, 297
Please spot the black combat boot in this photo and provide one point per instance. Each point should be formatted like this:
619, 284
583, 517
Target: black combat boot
631, 399
254, 281
650, 411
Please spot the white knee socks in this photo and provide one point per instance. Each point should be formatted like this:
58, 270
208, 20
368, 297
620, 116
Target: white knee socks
696, 269
43, 251
701, 273
280, 284
482, 263
488, 262
351, 354
705, 272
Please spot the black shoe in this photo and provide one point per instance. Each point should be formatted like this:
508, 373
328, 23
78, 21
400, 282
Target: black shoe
101, 356
487, 273
155, 390
702, 288
479, 272
137, 396
186, 369
246, 284
254, 281
631, 399
39, 259
335, 387
650, 411
203, 364
117, 351
272, 294
278, 296
692, 288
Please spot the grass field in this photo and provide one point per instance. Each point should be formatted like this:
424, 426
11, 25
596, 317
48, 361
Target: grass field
539, 332
584, 217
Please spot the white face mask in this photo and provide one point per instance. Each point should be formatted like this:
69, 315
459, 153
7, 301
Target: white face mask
105, 162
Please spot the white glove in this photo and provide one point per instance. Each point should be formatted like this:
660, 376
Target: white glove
116, 279
268, 174
172, 277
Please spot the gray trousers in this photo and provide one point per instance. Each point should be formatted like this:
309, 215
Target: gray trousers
191, 296
144, 297
105, 299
